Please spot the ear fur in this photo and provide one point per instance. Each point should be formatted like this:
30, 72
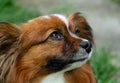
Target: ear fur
78, 21
8, 35
77, 16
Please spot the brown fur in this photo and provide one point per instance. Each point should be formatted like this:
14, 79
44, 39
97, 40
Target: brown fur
83, 74
24, 53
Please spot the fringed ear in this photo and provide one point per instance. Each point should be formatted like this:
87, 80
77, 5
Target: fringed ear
77, 16
80, 27
8, 36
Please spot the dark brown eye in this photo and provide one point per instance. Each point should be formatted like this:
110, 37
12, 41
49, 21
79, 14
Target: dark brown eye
56, 36
77, 32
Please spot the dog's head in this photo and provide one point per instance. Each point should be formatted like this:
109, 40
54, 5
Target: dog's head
53, 43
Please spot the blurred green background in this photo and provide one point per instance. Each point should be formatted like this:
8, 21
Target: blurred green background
10, 12
103, 16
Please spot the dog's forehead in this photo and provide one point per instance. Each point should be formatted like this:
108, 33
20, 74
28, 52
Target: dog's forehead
63, 18
52, 19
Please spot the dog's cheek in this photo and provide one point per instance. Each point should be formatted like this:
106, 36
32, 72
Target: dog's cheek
37, 56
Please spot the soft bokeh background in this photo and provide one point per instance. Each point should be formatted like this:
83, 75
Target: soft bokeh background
102, 15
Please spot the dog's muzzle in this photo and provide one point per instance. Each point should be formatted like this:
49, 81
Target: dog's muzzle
58, 63
84, 52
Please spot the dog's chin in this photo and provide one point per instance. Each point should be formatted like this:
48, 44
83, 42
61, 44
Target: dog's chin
57, 64
78, 62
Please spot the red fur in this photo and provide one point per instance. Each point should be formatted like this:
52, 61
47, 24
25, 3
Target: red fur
83, 74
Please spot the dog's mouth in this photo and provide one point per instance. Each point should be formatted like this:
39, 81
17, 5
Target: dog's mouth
58, 64
77, 60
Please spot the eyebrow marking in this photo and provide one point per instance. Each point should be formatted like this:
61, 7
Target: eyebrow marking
63, 18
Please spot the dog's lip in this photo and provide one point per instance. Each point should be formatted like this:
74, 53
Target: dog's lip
77, 60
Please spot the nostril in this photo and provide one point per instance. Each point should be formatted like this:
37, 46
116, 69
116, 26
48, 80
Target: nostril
84, 44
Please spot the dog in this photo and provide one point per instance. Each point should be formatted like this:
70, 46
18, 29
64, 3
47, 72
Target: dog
47, 49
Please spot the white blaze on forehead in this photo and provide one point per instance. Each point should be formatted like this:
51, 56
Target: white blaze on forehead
63, 18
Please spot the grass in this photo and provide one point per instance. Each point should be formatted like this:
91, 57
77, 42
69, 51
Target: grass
116, 1
103, 68
9, 12
65, 9
101, 61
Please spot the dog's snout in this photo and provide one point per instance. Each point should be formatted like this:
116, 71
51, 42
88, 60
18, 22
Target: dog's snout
86, 45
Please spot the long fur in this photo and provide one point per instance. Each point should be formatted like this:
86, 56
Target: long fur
8, 40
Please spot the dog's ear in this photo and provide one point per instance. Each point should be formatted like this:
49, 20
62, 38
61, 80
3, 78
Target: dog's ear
77, 17
80, 27
8, 36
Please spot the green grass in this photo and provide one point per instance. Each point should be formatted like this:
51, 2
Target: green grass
64, 9
116, 1
103, 68
9, 12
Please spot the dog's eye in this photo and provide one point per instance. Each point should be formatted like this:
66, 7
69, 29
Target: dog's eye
56, 35
77, 32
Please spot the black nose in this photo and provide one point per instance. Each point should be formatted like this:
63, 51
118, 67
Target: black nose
86, 45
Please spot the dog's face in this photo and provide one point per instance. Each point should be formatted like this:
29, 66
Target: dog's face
46, 45
53, 43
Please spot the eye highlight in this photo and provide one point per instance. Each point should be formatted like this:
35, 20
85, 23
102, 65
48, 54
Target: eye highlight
56, 36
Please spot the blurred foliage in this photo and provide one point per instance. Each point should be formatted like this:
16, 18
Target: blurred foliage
103, 68
11, 13
116, 1
64, 9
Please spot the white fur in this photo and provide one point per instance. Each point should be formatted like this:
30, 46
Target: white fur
54, 78
47, 17
30, 20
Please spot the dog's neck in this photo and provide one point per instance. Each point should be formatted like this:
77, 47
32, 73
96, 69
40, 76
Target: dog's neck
78, 75
59, 76
54, 78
